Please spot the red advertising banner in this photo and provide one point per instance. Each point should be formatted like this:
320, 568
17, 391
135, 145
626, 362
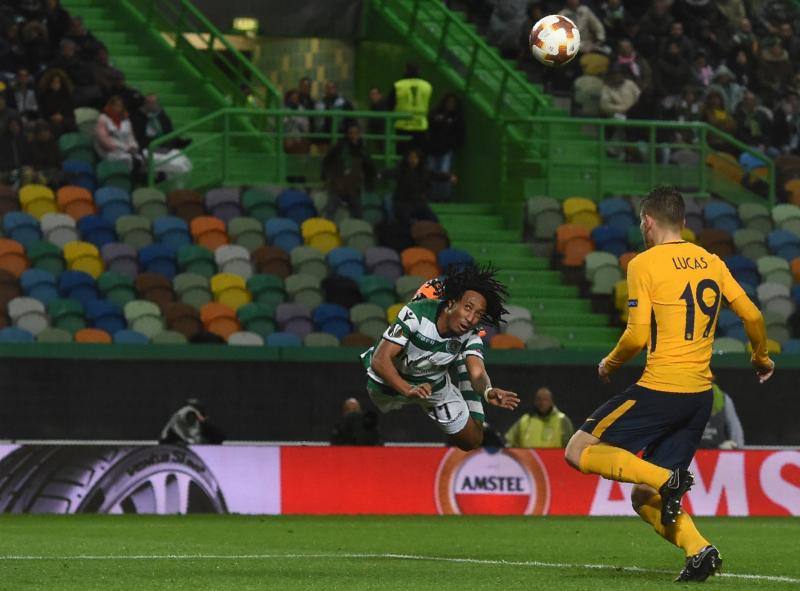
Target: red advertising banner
427, 481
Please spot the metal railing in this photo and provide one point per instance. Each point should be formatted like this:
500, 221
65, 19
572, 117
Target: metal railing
445, 39
217, 59
225, 152
596, 157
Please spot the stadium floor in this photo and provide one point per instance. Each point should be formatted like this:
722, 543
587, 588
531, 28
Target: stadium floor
465, 553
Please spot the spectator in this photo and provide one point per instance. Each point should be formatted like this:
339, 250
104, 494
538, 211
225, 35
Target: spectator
715, 114
35, 44
534, 14
12, 55
104, 73
15, 154
445, 136
190, 425
55, 101
87, 93
725, 83
304, 90
24, 96
676, 35
618, 95
733, 10
114, 138
507, 18
377, 104
743, 37
6, 112
57, 21
587, 88
753, 122
46, 156
545, 427
612, 15
775, 71
741, 66
347, 169
634, 66
673, 74
702, 72
654, 26
789, 41
412, 189
131, 98
724, 429
593, 34
150, 122
411, 94
786, 128
491, 437
295, 127
87, 44
331, 101
356, 427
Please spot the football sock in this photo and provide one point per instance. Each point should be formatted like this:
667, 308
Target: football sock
616, 463
682, 533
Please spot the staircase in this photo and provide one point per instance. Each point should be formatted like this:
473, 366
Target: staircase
151, 66
557, 309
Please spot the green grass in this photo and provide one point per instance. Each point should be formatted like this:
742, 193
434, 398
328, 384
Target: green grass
237, 552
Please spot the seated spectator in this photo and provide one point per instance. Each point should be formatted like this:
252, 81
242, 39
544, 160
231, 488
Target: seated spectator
15, 155
613, 16
377, 104
725, 83
412, 189
11, 52
347, 170
131, 98
6, 112
789, 41
87, 92
676, 35
743, 38
593, 34
506, 20
654, 26
753, 122
634, 67
35, 44
87, 44
356, 427
114, 138
587, 88
55, 101
445, 136
151, 122
732, 10
57, 21
775, 71
786, 127
295, 127
46, 156
23, 95
702, 72
331, 101
533, 14
619, 94
545, 426
304, 89
104, 73
673, 73
715, 114
741, 65
190, 425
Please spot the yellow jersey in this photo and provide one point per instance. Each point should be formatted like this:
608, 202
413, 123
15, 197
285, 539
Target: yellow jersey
677, 288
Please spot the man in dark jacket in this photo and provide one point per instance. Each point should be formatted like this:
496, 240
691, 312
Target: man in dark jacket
356, 427
150, 122
348, 169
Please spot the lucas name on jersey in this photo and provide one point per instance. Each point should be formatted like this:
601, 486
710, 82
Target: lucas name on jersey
690, 263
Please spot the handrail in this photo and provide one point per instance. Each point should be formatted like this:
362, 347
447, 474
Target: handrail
173, 16
703, 130
267, 127
498, 64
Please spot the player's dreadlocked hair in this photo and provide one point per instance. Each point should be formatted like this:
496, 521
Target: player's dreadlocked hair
481, 279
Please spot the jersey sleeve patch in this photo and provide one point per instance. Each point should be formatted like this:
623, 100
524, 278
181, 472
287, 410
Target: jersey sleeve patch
633, 303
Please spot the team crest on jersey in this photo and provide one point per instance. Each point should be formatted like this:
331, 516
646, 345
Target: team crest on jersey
453, 346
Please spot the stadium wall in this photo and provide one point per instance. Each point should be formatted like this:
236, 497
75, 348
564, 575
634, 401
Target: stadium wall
328, 480
106, 392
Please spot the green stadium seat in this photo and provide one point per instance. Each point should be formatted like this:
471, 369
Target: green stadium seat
116, 287
247, 232
377, 290
267, 289
259, 203
144, 316
357, 234
150, 202
192, 289
369, 319
54, 335
308, 260
168, 337
135, 230
406, 286
304, 289
257, 318
756, 216
66, 314
193, 258
320, 339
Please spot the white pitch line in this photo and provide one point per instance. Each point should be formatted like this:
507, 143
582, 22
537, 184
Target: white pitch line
350, 555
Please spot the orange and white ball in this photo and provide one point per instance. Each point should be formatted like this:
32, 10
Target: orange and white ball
555, 40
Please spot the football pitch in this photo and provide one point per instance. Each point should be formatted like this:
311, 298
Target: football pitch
465, 553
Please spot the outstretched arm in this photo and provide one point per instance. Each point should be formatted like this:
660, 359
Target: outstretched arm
757, 334
481, 383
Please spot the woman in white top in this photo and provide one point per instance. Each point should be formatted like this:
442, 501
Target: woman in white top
114, 139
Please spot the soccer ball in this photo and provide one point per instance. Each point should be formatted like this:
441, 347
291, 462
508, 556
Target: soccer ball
555, 40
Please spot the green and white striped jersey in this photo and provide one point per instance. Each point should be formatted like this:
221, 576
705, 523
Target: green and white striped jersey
426, 355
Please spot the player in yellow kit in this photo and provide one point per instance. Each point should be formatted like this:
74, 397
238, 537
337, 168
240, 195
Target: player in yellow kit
675, 291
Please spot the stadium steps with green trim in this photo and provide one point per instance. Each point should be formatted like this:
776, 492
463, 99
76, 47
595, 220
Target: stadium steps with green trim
182, 90
557, 308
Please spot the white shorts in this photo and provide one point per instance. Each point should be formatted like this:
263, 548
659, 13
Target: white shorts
446, 406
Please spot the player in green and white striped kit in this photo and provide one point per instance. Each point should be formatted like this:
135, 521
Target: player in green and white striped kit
411, 363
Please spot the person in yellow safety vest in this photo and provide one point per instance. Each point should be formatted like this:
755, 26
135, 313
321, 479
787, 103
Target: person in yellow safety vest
411, 94
545, 427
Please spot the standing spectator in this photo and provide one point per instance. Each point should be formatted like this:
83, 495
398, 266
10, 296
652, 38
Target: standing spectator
593, 34
412, 189
377, 104
613, 16
743, 37
654, 26
35, 44
347, 169
304, 90
55, 101
733, 10
46, 156
331, 101
702, 72
57, 21
742, 68
295, 127
775, 71
507, 18
445, 136
15, 154
724, 429
411, 94
11, 54
24, 95
87, 44
131, 98
673, 74
525, 60
789, 41
104, 73
150, 122
87, 92
676, 35
114, 138
635, 67
545, 427
753, 122
356, 427
725, 83
786, 128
